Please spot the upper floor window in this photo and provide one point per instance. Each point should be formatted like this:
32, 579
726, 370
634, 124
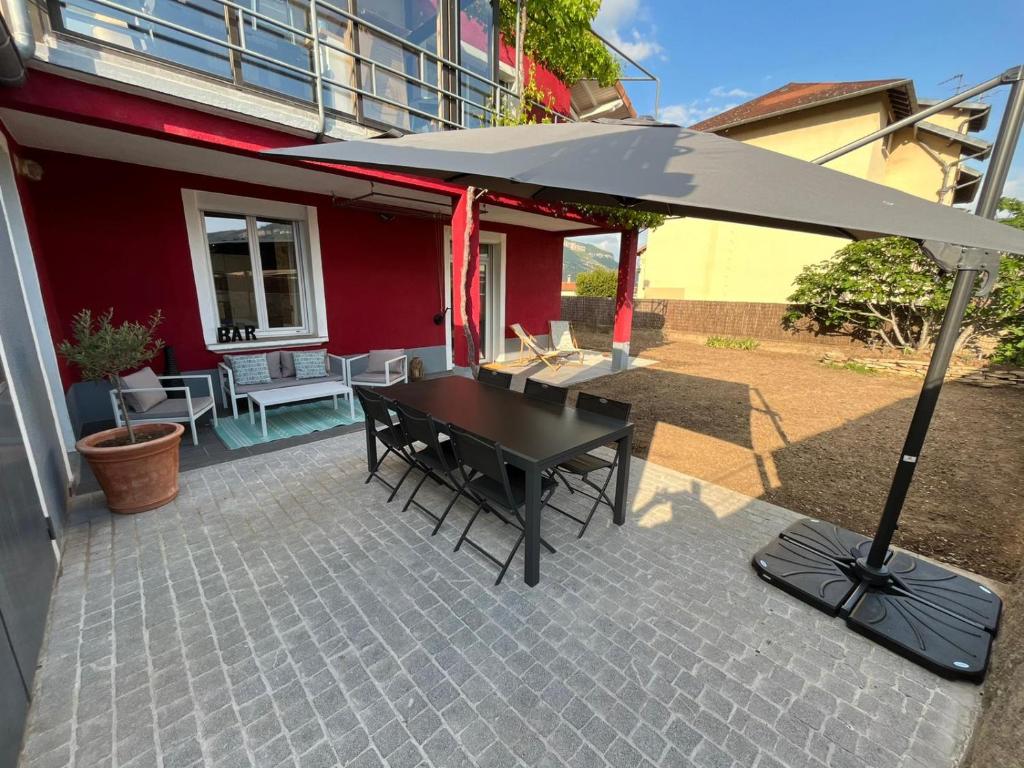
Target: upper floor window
256, 263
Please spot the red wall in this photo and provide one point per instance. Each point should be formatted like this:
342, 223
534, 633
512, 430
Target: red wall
110, 234
533, 278
544, 79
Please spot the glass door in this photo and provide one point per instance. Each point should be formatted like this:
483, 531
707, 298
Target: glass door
488, 295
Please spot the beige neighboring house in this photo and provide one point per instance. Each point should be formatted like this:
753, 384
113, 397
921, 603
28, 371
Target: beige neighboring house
702, 260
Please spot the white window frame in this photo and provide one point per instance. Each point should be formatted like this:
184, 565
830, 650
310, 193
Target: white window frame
497, 300
196, 204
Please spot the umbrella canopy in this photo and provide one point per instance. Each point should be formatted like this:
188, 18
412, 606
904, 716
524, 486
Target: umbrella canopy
666, 169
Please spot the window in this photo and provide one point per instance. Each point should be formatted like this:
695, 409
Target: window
256, 263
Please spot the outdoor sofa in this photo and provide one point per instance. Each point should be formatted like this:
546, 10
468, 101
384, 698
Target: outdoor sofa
377, 368
281, 366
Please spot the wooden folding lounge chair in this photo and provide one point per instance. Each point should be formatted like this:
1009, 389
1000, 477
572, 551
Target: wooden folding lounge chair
526, 342
563, 340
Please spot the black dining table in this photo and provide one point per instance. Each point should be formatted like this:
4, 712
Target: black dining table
535, 436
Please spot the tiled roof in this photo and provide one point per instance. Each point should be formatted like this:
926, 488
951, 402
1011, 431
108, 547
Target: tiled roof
796, 96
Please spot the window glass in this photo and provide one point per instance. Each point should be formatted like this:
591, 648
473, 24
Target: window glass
228, 239
136, 33
279, 44
418, 23
280, 266
476, 53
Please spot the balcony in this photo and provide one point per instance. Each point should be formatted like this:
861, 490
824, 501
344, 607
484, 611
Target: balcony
377, 64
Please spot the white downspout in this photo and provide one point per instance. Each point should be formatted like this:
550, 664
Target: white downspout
20, 24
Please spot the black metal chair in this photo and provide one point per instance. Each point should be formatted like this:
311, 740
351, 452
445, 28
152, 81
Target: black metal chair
548, 393
493, 378
437, 460
587, 464
377, 410
493, 484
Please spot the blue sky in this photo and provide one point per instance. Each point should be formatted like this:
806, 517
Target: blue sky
711, 56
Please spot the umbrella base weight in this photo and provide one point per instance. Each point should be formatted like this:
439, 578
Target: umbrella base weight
933, 616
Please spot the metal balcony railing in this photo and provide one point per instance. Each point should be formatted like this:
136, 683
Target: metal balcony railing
309, 51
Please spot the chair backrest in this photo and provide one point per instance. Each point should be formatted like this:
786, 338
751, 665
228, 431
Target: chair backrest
420, 427
549, 393
613, 409
480, 455
528, 341
375, 407
493, 378
562, 338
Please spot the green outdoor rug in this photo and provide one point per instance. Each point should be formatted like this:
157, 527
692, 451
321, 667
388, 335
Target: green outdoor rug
284, 421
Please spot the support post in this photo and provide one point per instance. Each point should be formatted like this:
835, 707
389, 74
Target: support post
624, 300
466, 281
963, 287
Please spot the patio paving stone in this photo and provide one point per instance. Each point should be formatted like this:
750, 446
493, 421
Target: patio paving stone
279, 613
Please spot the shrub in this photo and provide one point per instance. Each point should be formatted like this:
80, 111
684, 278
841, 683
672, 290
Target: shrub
102, 350
889, 291
600, 282
728, 342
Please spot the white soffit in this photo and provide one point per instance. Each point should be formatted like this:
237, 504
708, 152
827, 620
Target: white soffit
42, 132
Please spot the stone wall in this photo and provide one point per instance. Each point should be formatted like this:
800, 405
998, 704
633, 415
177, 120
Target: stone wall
968, 374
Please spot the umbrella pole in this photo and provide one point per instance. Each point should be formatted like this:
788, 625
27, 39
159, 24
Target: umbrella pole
873, 566
930, 614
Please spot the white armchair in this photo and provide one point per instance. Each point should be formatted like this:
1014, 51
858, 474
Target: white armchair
187, 409
382, 368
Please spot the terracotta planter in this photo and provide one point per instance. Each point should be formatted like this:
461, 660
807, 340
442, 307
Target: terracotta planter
137, 477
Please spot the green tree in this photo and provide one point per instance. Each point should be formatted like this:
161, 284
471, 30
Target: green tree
1013, 212
557, 34
102, 350
889, 291
599, 282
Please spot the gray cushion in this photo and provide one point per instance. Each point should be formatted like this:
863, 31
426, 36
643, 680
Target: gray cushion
287, 364
379, 357
251, 369
370, 377
140, 402
274, 364
310, 365
177, 408
290, 382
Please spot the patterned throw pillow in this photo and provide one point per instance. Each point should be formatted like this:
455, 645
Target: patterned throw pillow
250, 369
310, 365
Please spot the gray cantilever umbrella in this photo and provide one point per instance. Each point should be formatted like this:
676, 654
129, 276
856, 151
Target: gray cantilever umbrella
666, 169
940, 619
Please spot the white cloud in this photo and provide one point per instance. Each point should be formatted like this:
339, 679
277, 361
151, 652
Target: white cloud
637, 46
626, 23
691, 112
720, 91
1014, 187
616, 13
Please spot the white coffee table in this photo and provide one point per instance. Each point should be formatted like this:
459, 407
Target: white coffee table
298, 394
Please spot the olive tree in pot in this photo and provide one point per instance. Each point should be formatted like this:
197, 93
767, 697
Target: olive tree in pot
137, 464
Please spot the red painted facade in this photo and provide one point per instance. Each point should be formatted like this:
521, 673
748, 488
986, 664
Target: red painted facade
108, 234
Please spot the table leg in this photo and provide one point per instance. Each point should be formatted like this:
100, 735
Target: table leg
532, 569
625, 453
263, 419
335, 399
371, 446
252, 419
351, 405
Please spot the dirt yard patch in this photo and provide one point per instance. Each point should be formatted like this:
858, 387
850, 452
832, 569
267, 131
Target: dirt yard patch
777, 424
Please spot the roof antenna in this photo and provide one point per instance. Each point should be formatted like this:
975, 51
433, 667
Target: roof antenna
958, 80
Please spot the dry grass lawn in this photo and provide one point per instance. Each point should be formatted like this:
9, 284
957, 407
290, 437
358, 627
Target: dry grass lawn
777, 424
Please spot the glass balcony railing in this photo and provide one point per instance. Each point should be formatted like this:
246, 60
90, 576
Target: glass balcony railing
380, 63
